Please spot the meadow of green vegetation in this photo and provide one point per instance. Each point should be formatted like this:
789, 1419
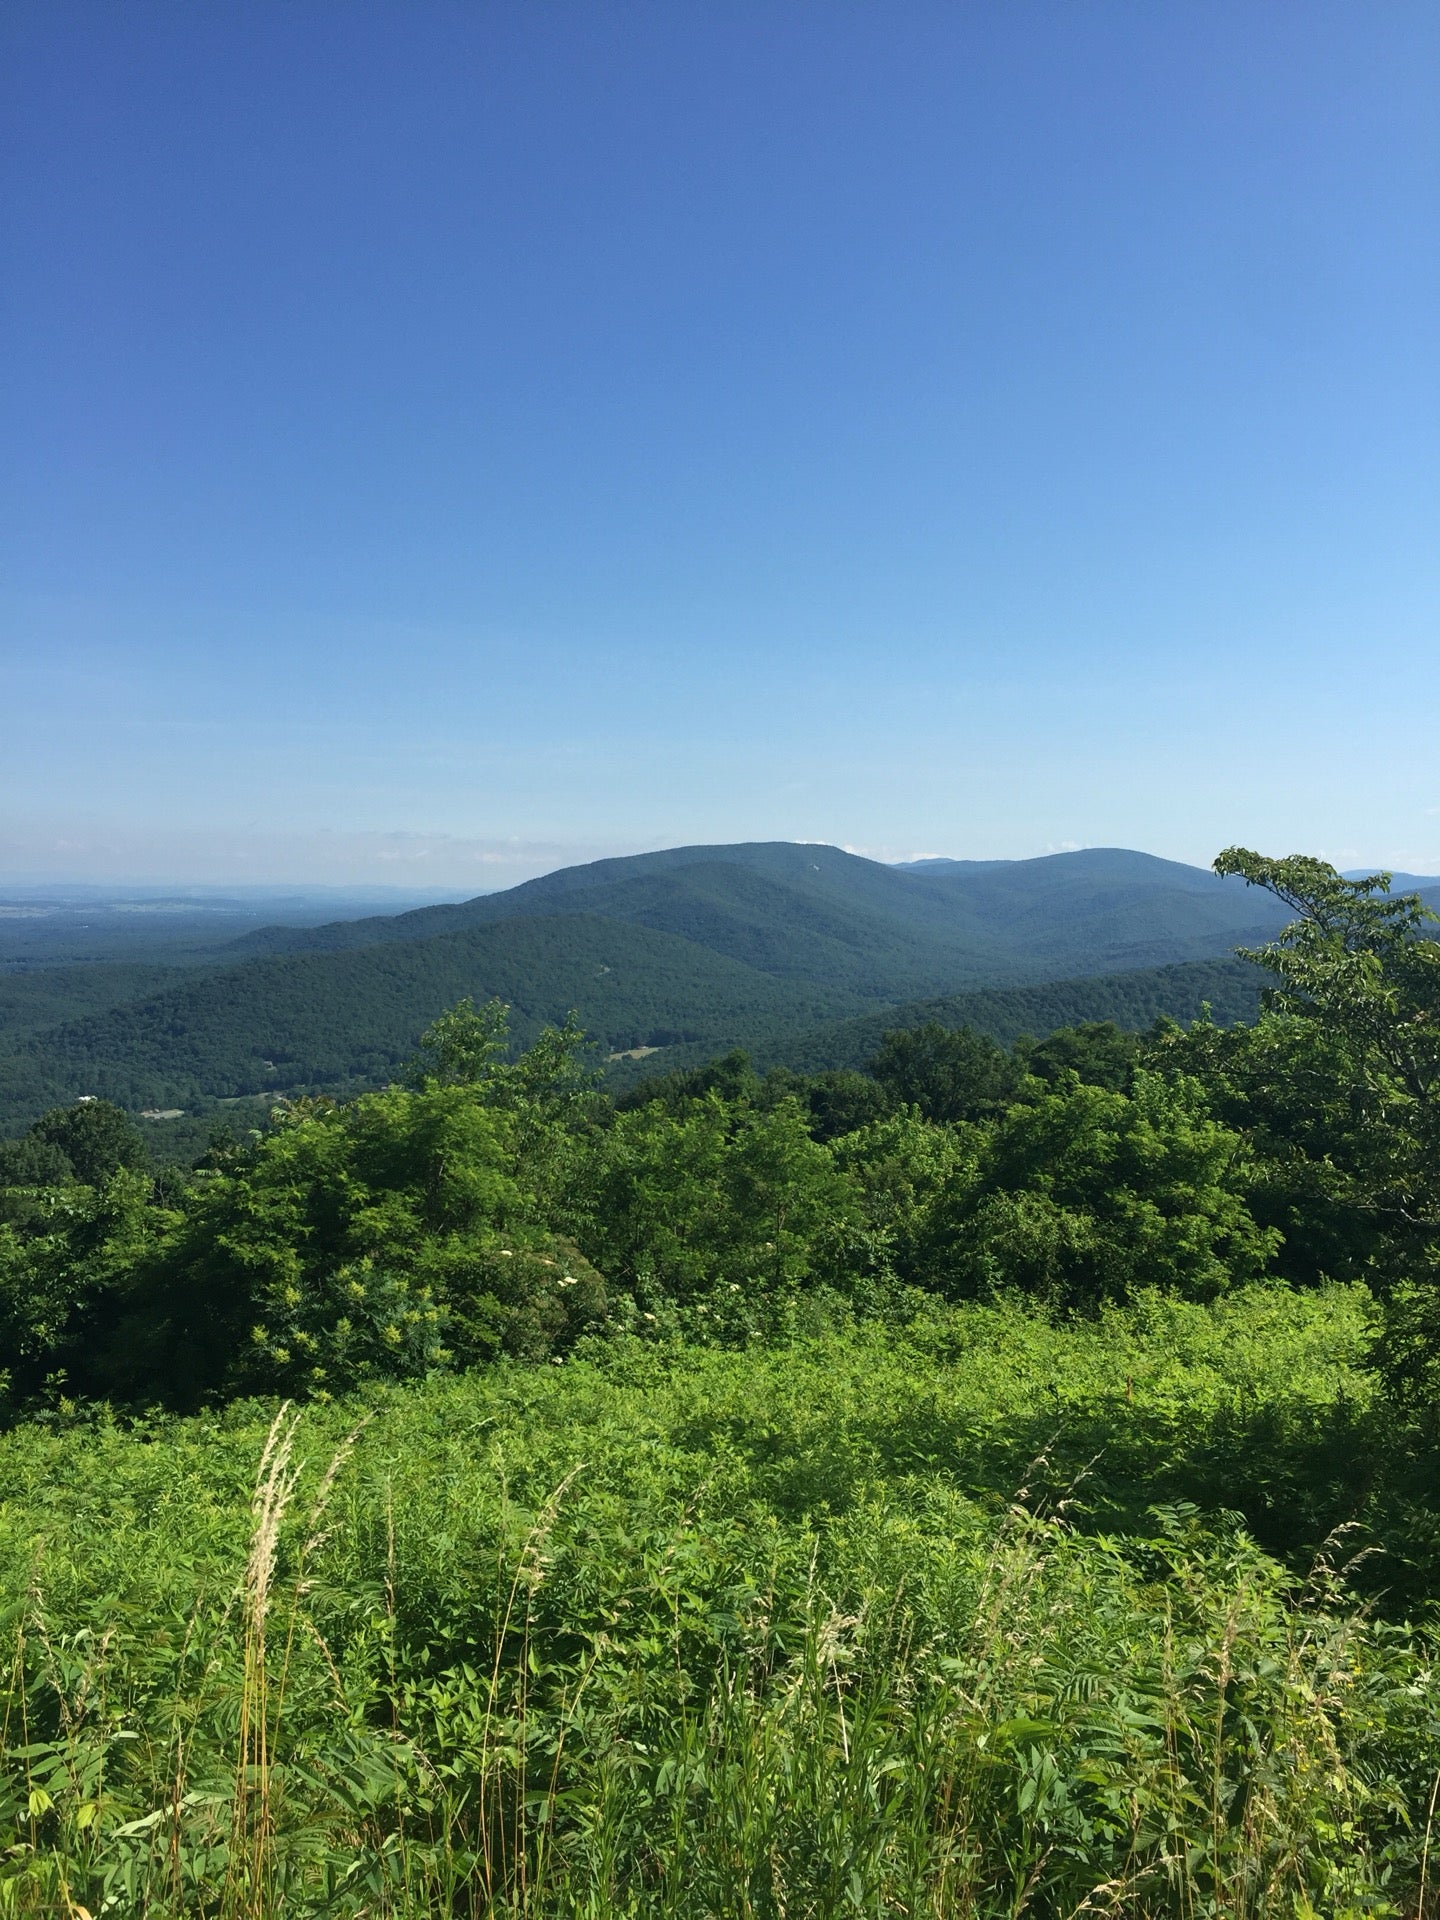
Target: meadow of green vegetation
994, 1482
947, 1618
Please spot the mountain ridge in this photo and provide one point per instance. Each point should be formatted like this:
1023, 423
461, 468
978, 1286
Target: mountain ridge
956, 901
754, 943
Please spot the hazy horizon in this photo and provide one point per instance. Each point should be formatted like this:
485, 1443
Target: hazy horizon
15, 884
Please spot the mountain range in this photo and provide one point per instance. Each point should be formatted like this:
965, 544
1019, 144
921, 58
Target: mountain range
795, 951
817, 912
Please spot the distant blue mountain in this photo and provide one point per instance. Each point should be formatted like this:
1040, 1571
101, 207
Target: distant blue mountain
817, 913
935, 863
1400, 882
686, 948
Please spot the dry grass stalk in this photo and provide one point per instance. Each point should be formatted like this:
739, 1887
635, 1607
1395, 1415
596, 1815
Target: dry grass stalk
251, 1820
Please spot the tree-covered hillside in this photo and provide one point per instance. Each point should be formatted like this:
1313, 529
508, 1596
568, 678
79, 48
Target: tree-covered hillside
45, 996
1229, 988
1133, 1001
823, 914
339, 1021
692, 949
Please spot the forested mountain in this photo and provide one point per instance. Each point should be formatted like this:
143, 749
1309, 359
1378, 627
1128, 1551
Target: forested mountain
43, 996
1106, 908
801, 954
340, 1021
819, 913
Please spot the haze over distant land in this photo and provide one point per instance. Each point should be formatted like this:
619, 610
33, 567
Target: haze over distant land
490, 438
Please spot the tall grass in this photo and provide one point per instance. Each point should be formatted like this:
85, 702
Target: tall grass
698, 1636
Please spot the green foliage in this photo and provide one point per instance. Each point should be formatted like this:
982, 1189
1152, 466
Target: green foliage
332, 1251
702, 1616
716, 1200
472, 1211
699, 1633
87, 1141
464, 1046
75, 1221
30, 1162
1099, 1052
1286, 1086
65, 1257
1343, 1075
907, 1169
1085, 1194
1359, 973
732, 1076
1134, 1000
1358, 958
838, 1103
948, 1073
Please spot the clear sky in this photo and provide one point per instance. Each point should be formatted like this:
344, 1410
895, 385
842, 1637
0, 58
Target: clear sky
446, 441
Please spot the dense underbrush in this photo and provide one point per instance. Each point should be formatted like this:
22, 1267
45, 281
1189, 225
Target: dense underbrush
959, 1617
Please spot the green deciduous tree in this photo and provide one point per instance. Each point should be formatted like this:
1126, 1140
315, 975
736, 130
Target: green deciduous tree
1097, 1050
1340, 1082
838, 1101
1083, 1194
1361, 962
402, 1231
63, 1264
905, 1166
715, 1197
949, 1073
86, 1141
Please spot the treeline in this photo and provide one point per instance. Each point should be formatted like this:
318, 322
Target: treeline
484, 1207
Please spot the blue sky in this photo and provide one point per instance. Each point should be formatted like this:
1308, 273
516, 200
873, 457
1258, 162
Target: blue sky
448, 441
